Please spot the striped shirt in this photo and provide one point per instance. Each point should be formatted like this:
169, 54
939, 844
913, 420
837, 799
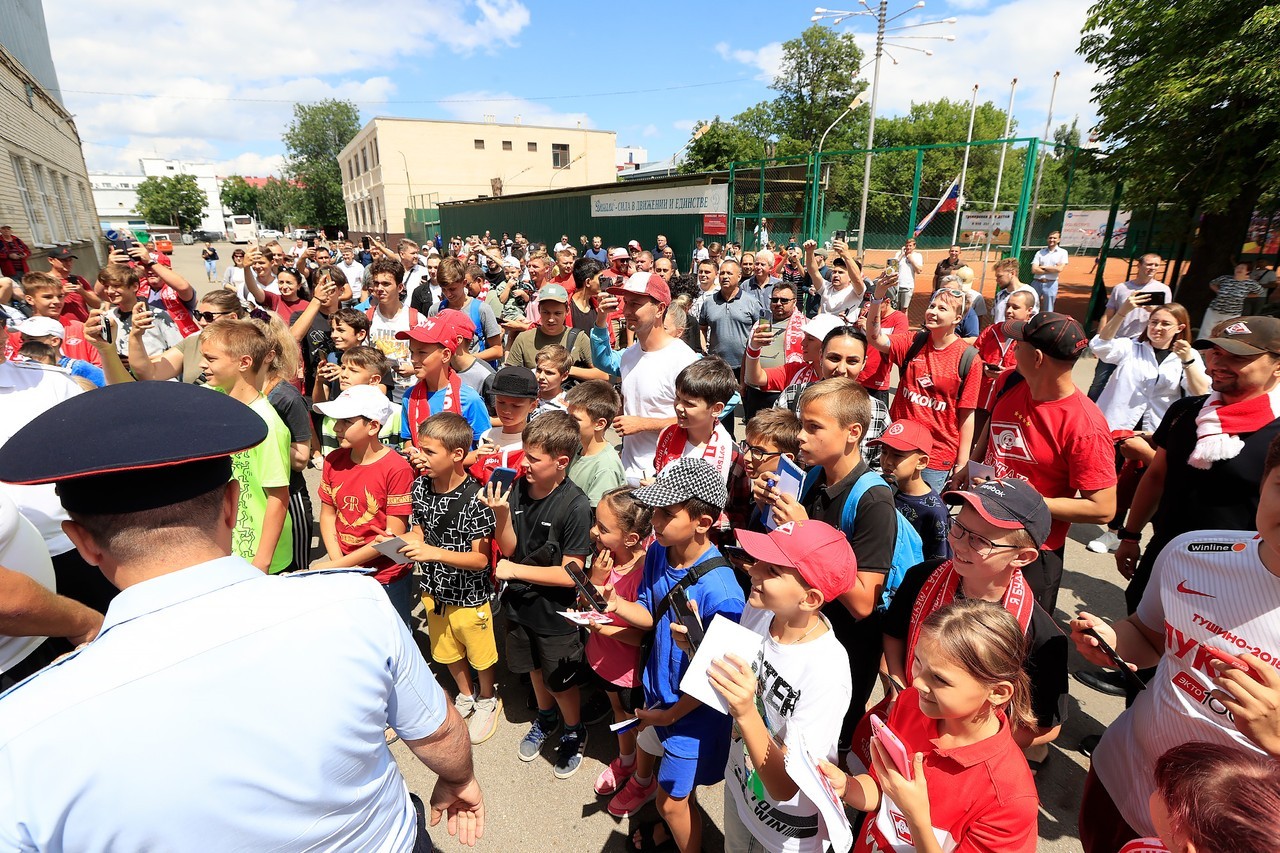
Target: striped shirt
1207, 587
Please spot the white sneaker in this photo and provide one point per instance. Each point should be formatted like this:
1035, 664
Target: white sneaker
484, 722
466, 705
1106, 543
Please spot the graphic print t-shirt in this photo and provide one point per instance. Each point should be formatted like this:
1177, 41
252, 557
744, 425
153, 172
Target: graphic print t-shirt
362, 497
930, 392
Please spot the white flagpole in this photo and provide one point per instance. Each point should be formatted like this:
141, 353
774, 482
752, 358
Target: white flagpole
964, 169
1048, 127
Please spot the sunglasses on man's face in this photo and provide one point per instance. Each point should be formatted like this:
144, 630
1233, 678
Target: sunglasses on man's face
780, 300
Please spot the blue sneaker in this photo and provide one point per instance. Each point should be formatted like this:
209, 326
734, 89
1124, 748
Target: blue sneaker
573, 743
539, 731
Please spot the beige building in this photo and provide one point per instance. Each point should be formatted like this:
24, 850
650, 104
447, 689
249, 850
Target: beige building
44, 187
393, 159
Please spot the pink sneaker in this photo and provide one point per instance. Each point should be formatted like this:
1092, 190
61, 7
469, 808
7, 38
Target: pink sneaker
632, 797
614, 776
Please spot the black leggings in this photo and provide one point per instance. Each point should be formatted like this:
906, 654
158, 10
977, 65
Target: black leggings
300, 517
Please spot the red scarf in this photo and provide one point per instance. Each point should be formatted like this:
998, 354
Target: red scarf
793, 341
940, 589
671, 442
1220, 425
420, 407
179, 312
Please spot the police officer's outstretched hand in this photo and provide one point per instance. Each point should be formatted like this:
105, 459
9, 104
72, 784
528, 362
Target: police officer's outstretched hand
462, 807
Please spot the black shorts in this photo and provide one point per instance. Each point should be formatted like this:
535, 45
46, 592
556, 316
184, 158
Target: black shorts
630, 697
559, 656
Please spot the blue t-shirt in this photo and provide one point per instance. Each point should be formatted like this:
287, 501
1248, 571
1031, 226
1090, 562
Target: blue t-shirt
472, 409
715, 592
928, 515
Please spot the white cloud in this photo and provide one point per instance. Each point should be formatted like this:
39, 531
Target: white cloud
252, 163
234, 72
505, 107
650, 130
766, 60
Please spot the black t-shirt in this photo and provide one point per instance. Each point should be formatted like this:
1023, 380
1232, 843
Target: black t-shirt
1046, 662
582, 320
316, 345
1225, 497
875, 524
546, 530
292, 409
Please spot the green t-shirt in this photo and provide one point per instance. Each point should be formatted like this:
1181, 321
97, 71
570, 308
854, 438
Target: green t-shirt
597, 474
257, 469
524, 349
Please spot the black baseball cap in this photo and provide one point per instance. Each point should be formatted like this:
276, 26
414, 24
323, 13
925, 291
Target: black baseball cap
1245, 336
101, 467
1056, 335
515, 381
1010, 504
62, 253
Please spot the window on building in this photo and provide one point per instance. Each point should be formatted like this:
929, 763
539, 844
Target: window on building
479, 144
63, 199
38, 233
71, 209
364, 159
380, 218
45, 199
87, 208
376, 159
506, 145
351, 172
559, 156
533, 146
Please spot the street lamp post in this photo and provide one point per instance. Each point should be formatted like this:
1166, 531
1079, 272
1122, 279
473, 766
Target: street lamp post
697, 134
883, 34
853, 105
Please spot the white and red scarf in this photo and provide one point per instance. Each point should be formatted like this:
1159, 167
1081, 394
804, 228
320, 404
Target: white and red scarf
793, 342
940, 589
1220, 425
420, 405
175, 307
672, 441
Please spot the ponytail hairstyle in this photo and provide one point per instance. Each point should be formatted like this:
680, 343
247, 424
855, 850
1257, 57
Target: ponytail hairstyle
1222, 798
984, 640
634, 516
284, 359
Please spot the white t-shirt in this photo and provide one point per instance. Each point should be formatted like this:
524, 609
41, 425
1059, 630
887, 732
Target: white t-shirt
1051, 258
1002, 300
834, 301
1208, 586
355, 277
907, 274
806, 686
382, 334
701, 254
649, 391
1137, 320
506, 442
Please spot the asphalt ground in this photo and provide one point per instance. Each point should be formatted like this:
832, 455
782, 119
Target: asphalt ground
528, 809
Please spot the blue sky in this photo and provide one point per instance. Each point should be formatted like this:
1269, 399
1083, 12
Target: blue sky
216, 81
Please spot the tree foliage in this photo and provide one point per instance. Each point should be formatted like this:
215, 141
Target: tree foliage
239, 196
282, 204
312, 143
1189, 107
173, 199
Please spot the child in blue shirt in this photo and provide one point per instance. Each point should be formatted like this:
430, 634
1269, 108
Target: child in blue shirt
905, 446
687, 499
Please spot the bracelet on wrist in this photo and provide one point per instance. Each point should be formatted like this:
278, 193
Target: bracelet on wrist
752, 353
1188, 362
1126, 536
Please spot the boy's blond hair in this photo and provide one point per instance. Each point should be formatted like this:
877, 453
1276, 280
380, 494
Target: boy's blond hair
555, 356
238, 338
34, 282
846, 401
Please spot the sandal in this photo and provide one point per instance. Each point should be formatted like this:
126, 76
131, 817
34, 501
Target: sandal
647, 843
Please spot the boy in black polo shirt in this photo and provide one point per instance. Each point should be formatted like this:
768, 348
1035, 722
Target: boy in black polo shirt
834, 415
544, 525
997, 532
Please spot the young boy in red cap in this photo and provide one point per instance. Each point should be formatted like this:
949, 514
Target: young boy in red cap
799, 682
904, 455
439, 388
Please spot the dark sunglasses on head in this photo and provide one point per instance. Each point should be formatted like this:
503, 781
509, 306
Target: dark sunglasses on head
210, 316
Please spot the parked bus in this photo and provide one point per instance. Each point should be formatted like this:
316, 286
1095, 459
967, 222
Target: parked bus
240, 228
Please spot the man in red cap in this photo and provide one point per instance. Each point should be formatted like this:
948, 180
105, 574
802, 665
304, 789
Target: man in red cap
439, 388
801, 683
648, 368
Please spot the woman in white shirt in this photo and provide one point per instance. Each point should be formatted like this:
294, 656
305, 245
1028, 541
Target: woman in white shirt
1152, 371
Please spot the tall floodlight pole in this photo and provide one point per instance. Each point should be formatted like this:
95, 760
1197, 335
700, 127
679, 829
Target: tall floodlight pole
1048, 128
882, 20
964, 169
1004, 146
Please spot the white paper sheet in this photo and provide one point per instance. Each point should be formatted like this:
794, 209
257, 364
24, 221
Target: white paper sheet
803, 770
724, 636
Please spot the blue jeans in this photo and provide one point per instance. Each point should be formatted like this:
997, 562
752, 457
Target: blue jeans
936, 479
1048, 291
401, 594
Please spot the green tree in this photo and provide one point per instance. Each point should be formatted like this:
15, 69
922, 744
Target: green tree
239, 196
1197, 125
312, 143
723, 143
282, 204
173, 199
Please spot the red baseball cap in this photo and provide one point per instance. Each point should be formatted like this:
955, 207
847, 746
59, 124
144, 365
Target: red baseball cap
906, 436
645, 284
815, 549
445, 328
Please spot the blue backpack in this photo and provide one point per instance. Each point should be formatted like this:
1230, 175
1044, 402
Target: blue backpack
908, 548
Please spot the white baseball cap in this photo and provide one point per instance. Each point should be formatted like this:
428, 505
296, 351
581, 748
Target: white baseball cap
823, 325
358, 401
42, 327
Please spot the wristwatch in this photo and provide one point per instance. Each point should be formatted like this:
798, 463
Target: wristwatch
1125, 536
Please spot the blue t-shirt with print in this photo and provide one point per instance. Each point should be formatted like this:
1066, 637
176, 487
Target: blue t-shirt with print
928, 515
472, 409
715, 592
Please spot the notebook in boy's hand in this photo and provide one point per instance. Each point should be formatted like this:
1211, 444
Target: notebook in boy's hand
724, 636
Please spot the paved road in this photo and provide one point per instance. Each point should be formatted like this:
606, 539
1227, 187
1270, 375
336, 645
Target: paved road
529, 809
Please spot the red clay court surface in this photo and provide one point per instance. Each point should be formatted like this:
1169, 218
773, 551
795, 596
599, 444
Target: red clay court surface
1074, 286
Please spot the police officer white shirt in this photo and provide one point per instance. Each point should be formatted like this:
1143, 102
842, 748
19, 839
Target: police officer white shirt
222, 708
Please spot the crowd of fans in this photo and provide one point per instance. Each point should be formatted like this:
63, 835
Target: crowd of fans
579, 459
